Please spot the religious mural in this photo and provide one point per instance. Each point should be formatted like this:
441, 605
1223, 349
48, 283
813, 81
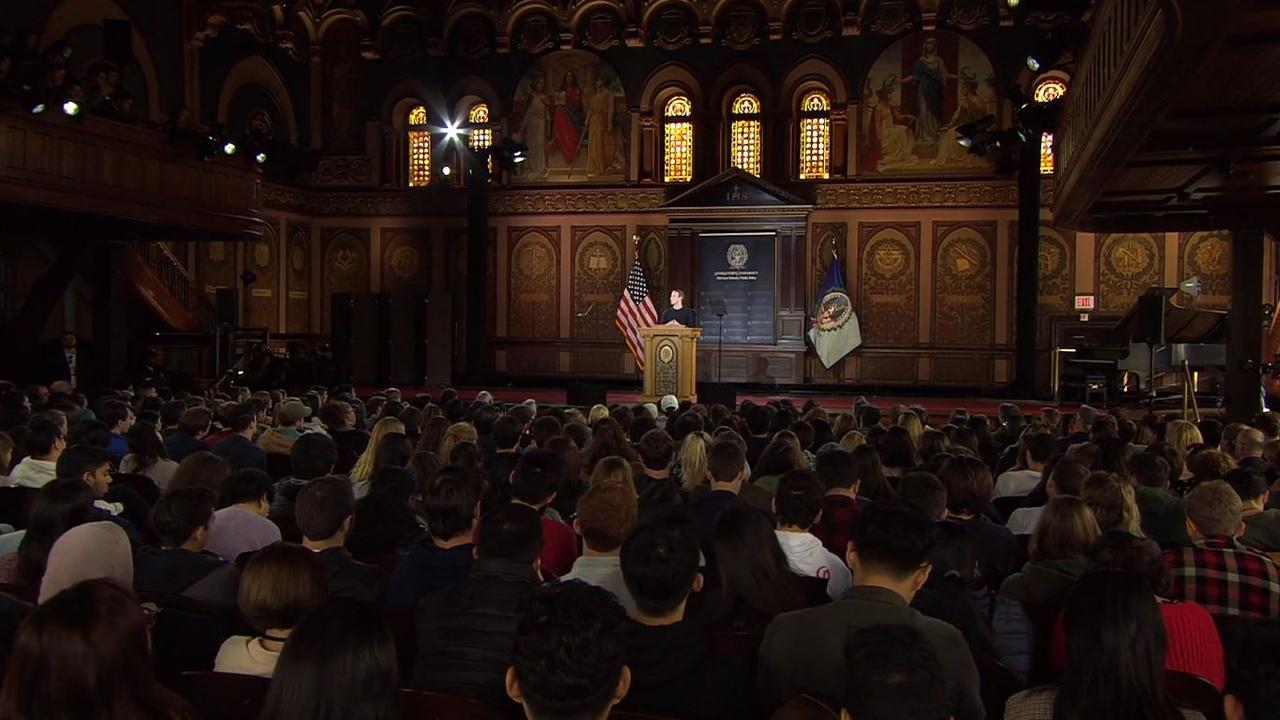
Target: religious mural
917, 93
571, 110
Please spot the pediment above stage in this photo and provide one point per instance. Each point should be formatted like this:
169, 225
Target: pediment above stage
735, 188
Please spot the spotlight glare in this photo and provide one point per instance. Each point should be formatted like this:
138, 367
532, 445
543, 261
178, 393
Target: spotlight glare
1033, 63
451, 132
71, 108
261, 158
965, 141
229, 148
1013, 3
38, 107
446, 170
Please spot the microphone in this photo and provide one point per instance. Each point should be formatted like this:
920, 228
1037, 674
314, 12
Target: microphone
584, 313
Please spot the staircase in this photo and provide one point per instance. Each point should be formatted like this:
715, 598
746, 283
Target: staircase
164, 284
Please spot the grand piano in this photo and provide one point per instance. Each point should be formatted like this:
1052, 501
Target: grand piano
1183, 340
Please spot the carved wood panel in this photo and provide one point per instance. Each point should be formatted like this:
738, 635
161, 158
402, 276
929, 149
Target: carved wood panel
534, 282
346, 263
1127, 264
1057, 263
964, 284
406, 261
828, 241
962, 370
1207, 255
900, 368
216, 265
598, 261
888, 283
298, 279
262, 259
653, 258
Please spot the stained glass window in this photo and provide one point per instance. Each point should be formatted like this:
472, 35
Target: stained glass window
815, 136
1047, 90
480, 135
419, 148
744, 133
677, 140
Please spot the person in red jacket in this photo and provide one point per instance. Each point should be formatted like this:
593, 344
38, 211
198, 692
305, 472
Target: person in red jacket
534, 482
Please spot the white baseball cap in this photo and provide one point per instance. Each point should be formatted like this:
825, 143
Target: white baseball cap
668, 402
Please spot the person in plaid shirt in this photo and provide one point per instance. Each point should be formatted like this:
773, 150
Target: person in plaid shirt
1216, 571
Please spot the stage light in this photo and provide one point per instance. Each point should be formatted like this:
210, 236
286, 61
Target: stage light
260, 158
965, 141
446, 170
1013, 3
451, 131
70, 108
38, 107
229, 148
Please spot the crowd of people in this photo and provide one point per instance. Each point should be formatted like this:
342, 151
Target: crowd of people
676, 560
29, 74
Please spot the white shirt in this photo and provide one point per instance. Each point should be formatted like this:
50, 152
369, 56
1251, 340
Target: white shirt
245, 655
1023, 520
71, 364
603, 571
1016, 483
33, 473
807, 557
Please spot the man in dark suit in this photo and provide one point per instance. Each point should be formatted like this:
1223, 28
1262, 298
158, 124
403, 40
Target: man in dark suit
323, 512
238, 448
65, 361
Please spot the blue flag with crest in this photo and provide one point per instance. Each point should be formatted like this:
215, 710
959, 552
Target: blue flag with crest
834, 329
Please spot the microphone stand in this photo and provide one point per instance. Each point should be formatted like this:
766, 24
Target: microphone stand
720, 351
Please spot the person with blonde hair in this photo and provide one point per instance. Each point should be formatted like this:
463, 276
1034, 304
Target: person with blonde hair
914, 427
612, 469
851, 440
597, 412
362, 472
693, 460
456, 434
1181, 435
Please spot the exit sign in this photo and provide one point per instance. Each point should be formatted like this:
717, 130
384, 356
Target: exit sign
1084, 303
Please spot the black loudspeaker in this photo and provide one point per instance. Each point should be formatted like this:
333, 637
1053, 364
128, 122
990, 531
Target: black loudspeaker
225, 310
718, 394
581, 394
340, 317
370, 327
117, 41
407, 341
1150, 325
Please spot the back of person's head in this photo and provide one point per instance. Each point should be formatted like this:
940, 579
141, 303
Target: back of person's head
1068, 477
339, 664
1122, 551
324, 506
41, 437
179, 514
925, 492
892, 672
510, 532
752, 567
1249, 483
1215, 509
313, 455
201, 469
1066, 529
660, 560
898, 449
537, 477
835, 469
1039, 446
114, 412
248, 485
543, 429
1149, 470
451, 503
80, 460
506, 432
242, 417
726, 461
333, 414
893, 539
59, 506
569, 660
84, 651
612, 469
1253, 673
606, 513
656, 450
195, 421
968, 483
798, 500
1116, 646
280, 584
1104, 495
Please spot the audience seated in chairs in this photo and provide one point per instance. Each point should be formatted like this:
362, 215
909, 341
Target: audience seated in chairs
193, 428
324, 509
606, 515
439, 561
537, 478
240, 525
797, 503
180, 565
893, 671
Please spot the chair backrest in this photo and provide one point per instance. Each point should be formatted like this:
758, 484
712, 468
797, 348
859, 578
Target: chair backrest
997, 684
803, 707
1193, 692
186, 636
417, 705
729, 642
15, 505
1006, 505
222, 696
404, 631
141, 484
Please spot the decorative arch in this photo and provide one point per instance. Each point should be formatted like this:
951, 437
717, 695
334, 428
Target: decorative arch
737, 77
718, 12
467, 90
812, 72
463, 12
257, 70
74, 13
789, 8
661, 82
586, 8
404, 95
525, 8
654, 8
318, 26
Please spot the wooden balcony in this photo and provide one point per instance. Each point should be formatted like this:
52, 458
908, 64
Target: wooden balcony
1172, 121
95, 167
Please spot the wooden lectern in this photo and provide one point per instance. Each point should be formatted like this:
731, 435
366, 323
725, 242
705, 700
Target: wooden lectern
671, 362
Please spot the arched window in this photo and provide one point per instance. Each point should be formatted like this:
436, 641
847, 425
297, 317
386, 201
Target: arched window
1048, 89
419, 148
677, 140
815, 136
744, 133
480, 135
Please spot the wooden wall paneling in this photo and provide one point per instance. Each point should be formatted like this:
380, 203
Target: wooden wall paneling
262, 259
1057, 283
533, 279
406, 261
654, 258
888, 284
964, 283
298, 278
977, 370
681, 264
877, 367
599, 266
216, 266
345, 267
793, 302
1127, 264
1207, 255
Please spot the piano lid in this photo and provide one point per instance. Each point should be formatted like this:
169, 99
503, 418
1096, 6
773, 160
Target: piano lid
1181, 324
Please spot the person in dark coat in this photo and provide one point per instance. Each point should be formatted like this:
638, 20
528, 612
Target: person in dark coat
238, 448
193, 427
323, 511
438, 562
181, 565
466, 633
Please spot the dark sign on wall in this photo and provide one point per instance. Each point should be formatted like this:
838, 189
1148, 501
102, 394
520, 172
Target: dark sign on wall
736, 270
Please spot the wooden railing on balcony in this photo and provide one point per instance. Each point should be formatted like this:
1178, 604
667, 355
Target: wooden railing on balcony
97, 167
177, 281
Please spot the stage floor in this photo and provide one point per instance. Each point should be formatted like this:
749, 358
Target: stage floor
829, 401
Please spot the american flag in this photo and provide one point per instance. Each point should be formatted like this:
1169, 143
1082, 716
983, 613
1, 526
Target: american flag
635, 311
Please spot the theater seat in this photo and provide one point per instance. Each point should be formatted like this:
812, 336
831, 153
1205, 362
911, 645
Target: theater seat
404, 631
417, 705
1006, 505
222, 696
141, 484
998, 684
803, 707
15, 505
1192, 692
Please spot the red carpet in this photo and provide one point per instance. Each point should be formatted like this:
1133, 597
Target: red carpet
935, 405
